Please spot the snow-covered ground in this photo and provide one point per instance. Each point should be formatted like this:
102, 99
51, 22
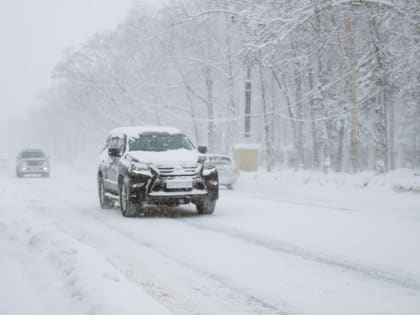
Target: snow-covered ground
45, 271
279, 244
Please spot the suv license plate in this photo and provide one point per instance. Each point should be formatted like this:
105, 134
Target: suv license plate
179, 184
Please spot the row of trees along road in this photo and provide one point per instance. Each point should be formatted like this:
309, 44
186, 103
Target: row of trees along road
330, 84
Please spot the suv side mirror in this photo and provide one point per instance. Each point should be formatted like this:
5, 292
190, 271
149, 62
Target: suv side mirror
202, 149
114, 152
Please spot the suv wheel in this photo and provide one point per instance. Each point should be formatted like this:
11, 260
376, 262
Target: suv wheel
128, 207
104, 201
206, 207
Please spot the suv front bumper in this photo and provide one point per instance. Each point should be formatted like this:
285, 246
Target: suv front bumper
155, 191
176, 197
33, 170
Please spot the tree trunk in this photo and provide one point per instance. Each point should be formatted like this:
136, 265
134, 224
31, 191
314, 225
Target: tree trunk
193, 118
325, 147
391, 136
313, 122
344, 68
211, 127
354, 132
298, 107
299, 115
381, 149
233, 126
340, 153
284, 89
267, 131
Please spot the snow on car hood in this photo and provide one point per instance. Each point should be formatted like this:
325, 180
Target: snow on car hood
170, 157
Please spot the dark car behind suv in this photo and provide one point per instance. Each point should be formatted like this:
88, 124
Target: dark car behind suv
32, 161
149, 166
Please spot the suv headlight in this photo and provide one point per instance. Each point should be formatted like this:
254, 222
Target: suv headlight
24, 164
137, 167
208, 168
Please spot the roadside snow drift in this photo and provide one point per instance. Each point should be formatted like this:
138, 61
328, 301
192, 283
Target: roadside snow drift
45, 271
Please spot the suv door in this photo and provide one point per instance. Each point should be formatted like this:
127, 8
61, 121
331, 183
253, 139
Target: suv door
116, 143
105, 162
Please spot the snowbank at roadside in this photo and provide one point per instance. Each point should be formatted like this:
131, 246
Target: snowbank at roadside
48, 272
399, 189
399, 178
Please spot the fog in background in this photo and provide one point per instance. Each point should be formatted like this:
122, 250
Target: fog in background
34, 35
327, 85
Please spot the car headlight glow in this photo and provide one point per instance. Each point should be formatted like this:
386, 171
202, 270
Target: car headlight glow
207, 165
208, 168
138, 167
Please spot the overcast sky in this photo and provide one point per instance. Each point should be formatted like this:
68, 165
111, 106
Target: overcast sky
33, 34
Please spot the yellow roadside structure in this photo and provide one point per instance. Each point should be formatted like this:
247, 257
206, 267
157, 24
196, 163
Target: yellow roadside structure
246, 157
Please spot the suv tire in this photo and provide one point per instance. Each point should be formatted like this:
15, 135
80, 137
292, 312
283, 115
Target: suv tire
128, 207
206, 207
104, 201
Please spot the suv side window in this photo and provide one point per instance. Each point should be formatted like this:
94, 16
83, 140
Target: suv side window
114, 143
118, 143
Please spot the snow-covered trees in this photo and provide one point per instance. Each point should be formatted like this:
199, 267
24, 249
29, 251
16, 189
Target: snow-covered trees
329, 84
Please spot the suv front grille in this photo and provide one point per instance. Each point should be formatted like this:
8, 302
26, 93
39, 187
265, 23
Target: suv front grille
34, 163
185, 170
161, 184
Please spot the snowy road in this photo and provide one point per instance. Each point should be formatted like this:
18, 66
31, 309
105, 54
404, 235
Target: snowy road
256, 255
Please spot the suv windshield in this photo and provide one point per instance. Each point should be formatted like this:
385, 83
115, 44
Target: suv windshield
156, 142
32, 155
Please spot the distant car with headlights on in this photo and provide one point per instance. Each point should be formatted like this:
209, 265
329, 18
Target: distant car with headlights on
32, 161
226, 168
